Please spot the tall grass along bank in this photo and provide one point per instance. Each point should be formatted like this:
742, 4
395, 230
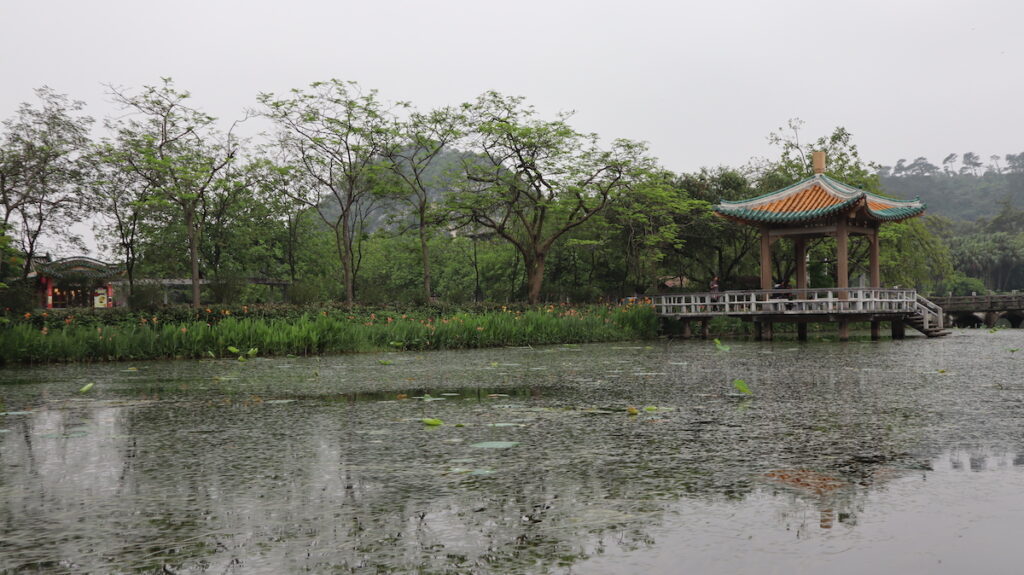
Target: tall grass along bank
29, 340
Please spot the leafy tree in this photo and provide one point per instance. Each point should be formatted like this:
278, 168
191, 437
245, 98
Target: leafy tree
948, 162
180, 154
536, 180
715, 246
334, 137
971, 163
43, 152
121, 199
416, 158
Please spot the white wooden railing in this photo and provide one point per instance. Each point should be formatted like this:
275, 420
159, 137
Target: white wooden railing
930, 313
796, 302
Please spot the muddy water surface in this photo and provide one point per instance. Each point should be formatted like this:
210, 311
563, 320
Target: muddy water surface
886, 457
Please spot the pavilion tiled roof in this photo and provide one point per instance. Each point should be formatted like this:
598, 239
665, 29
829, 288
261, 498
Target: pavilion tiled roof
77, 267
814, 198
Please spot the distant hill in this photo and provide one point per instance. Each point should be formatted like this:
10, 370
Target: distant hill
960, 196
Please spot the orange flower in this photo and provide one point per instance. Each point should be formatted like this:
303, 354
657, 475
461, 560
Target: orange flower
479, 328
45, 314
183, 329
28, 315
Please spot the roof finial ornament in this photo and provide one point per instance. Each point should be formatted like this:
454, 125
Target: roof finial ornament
818, 160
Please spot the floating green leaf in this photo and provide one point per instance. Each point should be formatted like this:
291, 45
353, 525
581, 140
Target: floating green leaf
650, 408
233, 349
721, 346
86, 387
431, 421
252, 351
741, 386
495, 444
385, 361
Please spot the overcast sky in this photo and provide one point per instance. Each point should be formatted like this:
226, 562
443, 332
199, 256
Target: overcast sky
703, 82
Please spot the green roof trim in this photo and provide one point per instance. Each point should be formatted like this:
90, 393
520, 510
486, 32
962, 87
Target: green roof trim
78, 267
849, 196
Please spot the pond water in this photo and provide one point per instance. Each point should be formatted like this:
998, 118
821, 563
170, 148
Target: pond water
859, 457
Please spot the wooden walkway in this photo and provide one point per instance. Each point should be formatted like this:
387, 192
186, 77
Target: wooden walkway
983, 309
836, 305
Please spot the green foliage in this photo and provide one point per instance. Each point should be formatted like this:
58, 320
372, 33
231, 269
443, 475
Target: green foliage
39, 338
536, 180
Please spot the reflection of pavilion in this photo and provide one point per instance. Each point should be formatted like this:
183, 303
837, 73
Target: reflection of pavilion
815, 207
75, 282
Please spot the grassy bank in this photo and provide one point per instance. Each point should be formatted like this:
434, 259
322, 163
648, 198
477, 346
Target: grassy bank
222, 333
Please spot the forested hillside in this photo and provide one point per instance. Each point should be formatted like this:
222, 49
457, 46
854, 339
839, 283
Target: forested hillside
963, 189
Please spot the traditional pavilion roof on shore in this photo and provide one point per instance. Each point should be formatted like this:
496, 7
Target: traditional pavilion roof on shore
815, 198
77, 267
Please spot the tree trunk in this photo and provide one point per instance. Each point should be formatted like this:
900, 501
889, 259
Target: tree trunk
193, 254
534, 277
425, 253
346, 260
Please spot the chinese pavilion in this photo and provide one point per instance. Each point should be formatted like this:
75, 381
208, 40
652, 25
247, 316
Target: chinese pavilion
816, 207
75, 282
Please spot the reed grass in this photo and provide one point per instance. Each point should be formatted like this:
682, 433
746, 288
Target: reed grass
313, 333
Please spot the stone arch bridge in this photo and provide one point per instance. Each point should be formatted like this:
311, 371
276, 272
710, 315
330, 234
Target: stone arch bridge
975, 311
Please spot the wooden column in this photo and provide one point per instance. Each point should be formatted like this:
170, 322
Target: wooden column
898, 331
766, 258
876, 270
801, 331
876, 279
842, 257
687, 330
800, 253
842, 271
705, 329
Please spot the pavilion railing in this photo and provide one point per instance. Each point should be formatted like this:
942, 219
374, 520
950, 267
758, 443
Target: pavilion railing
793, 302
931, 314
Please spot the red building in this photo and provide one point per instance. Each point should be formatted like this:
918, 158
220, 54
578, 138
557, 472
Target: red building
75, 282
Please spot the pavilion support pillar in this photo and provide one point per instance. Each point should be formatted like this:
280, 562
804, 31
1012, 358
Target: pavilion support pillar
705, 328
898, 329
842, 258
49, 293
842, 272
800, 254
876, 328
801, 331
686, 329
876, 269
766, 258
